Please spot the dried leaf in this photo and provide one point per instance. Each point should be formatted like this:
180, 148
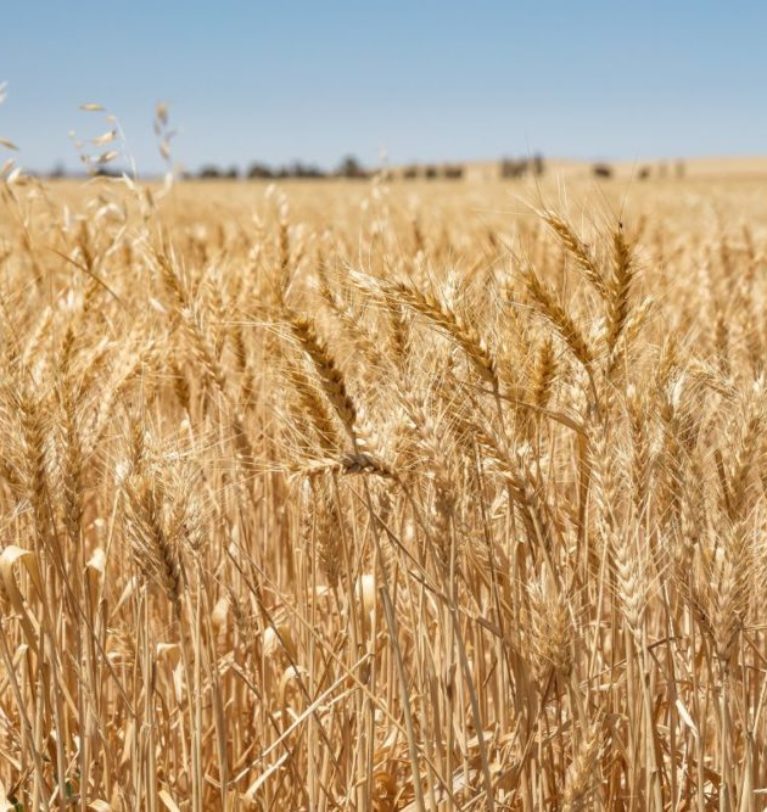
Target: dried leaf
168, 801
686, 718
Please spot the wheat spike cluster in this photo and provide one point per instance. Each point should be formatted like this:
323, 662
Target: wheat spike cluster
383, 496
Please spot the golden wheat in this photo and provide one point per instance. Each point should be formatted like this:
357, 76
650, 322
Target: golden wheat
345, 505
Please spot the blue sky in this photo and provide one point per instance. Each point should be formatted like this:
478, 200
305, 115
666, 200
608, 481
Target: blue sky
426, 80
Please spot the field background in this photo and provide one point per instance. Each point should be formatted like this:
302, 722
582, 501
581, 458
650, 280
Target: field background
366, 495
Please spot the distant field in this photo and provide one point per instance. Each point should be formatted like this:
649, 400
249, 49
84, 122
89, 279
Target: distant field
385, 496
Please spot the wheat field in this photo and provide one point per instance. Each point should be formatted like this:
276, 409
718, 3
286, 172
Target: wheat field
417, 496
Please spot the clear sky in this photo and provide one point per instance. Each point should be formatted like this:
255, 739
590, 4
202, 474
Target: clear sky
425, 79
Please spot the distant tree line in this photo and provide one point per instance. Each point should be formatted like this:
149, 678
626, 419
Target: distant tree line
520, 167
429, 172
661, 171
349, 167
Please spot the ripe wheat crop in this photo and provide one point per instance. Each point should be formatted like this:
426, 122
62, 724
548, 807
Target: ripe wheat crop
383, 496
